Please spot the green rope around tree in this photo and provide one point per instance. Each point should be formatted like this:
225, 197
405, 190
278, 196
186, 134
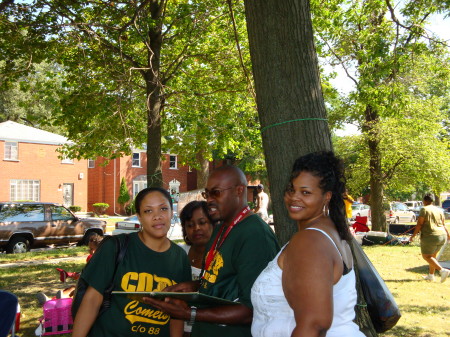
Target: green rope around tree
294, 120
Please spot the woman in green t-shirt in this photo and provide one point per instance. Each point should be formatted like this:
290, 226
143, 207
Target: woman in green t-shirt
151, 263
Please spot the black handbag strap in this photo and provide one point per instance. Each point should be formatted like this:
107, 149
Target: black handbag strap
121, 249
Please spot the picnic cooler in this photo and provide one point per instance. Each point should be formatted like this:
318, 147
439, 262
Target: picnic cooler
57, 317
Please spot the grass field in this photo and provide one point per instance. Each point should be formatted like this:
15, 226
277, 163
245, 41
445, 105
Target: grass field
425, 306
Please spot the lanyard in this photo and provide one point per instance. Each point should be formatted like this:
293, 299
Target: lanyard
216, 245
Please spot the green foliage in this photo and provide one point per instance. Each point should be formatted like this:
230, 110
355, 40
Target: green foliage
130, 208
400, 99
124, 196
100, 208
75, 208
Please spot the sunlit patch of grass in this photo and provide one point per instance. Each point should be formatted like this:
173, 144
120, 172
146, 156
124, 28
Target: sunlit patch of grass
45, 254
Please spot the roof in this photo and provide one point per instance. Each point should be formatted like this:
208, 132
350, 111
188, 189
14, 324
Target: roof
12, 131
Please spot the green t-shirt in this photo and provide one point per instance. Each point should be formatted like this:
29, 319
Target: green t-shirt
433, 221
247, 250
142, 269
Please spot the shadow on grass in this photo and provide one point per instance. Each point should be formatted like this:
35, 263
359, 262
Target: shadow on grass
419, 269
403, 331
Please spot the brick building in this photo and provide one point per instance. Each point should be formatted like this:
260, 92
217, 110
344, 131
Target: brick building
31, 170
104, 180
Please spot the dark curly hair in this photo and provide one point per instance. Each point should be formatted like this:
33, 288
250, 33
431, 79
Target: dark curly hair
186, 215
330, 170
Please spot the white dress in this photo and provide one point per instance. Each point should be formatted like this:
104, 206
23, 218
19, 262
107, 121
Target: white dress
273, 317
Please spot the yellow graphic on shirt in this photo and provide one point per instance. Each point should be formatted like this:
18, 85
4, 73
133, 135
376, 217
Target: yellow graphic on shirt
210, 275
136, 311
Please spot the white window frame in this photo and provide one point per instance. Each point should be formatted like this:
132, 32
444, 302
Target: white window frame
138, 185
133, 159
91, 163
66, 160
11, 151
24, 189
173, 164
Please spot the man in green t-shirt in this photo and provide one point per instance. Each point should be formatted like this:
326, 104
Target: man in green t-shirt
433, 233
241, 246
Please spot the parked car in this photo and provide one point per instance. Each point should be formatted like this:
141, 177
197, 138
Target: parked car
446, 213
36, 224
360, 210
397, 212
132, 224
414, 206
446, 205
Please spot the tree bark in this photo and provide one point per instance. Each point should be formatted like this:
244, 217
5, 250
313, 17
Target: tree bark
155, 101
372, 131
289, 96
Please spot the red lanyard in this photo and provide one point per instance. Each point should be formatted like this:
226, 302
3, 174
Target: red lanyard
216, 245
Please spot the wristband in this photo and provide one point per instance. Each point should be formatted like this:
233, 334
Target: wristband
193, 315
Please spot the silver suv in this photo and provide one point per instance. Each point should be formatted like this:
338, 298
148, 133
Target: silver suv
36, 224
397, 212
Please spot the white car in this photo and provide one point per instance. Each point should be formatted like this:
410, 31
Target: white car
132, 224
360, 210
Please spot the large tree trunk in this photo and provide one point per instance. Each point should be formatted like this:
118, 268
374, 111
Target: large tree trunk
155, 103
289, 97
372, 131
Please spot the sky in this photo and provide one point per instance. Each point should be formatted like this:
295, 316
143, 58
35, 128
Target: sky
438, 25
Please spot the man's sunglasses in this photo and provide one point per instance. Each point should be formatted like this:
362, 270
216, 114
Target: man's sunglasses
214, 193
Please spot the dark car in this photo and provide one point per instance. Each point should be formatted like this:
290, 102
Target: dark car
37, 224
446, 205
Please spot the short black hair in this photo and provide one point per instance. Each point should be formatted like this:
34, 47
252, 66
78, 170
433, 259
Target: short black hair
186, 215
141, 195
428, 197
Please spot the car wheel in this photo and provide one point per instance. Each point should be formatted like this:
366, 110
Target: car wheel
396, 221
18, 244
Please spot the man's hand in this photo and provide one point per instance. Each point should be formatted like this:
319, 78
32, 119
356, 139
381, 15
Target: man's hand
184, 287
174, 307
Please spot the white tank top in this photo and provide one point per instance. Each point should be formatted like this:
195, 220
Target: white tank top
273, 317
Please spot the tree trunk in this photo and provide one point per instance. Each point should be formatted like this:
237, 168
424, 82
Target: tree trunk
371, 128
203, 173
155, 105
289, 96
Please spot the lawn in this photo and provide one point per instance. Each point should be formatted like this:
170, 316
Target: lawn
425, 306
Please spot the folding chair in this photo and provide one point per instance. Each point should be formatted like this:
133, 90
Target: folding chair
57, 318
8, 307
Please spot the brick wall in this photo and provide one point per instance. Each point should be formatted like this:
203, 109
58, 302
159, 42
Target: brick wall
41, 162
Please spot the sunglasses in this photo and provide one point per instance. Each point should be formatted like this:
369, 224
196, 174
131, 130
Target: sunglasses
214, 193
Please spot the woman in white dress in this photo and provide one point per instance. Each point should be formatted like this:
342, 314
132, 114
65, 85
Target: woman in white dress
309, 288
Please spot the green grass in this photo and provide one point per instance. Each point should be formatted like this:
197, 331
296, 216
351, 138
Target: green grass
425, 306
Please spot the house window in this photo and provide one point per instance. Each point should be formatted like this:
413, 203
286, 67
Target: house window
172, 162
11, 151
66, 160
136, 160
24, 190
91, 163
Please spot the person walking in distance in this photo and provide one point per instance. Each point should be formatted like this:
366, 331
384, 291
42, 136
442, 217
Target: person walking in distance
262, 203
433, 233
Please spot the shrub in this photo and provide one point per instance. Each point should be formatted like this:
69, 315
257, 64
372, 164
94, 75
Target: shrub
124, 196
100, 208
130, 209
75, 208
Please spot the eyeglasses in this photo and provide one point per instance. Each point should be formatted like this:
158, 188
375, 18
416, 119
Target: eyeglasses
215, 193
